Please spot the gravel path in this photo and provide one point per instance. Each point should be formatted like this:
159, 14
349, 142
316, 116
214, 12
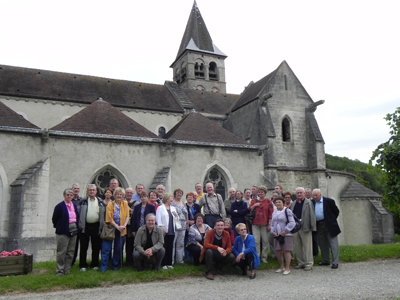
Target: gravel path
366, 280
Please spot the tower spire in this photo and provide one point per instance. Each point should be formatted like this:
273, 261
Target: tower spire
199, 64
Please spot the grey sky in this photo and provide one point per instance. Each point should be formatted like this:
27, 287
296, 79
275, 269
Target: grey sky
345, 52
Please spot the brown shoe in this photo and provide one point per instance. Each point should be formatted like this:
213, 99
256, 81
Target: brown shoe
210, 276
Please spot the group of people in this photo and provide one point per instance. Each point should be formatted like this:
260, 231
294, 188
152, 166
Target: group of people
160, 229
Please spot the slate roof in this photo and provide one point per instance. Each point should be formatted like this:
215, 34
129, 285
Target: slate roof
198, 128
210, 102
100, 117
10, 118
252, 92
357, 190
196, 36
34, 83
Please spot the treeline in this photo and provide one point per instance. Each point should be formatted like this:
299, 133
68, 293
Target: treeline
370, 177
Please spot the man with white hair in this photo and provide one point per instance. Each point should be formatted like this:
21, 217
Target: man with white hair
228, 202
160, 189
91, 211
199, 191
304, 210
326, 213
213, 204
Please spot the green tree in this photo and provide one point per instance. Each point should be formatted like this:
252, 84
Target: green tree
387, 157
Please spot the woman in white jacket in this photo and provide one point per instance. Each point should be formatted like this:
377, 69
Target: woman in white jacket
166, 215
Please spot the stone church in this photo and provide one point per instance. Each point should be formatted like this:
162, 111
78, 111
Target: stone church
57, 129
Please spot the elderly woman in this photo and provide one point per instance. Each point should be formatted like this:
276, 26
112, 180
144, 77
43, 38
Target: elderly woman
238, 211
140, 212
117, 215
153, 196
228, 228
282, 223
262, 221
166, 216
247, 196
288, 200
179, 241
245, 251
197, 233
65, 221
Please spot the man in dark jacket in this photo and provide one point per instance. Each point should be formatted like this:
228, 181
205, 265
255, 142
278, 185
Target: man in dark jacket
149, 242
326, 213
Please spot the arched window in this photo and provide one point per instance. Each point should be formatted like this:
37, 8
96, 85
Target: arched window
183, 72
102, 180
199, 68
286, 136
177, 77
213, 74
200, 88
161, 131
217, 179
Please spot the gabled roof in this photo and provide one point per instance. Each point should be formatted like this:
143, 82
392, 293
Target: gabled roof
252, 91
196, 127
33, 83
101, 117
210, 102
10, 118
357, 190
196, 36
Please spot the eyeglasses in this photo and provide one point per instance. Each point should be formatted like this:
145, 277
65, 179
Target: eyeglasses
243, 229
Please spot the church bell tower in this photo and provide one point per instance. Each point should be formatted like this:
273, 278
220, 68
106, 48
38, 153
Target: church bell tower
199, 64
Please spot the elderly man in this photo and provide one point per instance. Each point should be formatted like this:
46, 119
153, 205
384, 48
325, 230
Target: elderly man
228, 202
91, 220
65, 220
76, 200
199, 191
149, 242
160, 193
326, 213
304, 210
218, 248
213, 204
139, 188
129, 237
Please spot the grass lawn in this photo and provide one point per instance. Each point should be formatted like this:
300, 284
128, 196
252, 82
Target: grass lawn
43, 276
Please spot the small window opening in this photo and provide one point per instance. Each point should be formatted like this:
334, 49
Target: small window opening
286, 130
285, 79
213, 71
199, 70
161, 131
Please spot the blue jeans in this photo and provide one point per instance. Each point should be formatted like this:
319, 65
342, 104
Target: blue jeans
106, 247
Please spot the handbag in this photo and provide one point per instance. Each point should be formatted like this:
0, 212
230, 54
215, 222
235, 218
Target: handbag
298, 225
250, 216
108, 232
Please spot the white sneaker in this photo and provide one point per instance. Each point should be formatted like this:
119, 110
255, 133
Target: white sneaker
83, 269
264, 260
95, 269
279, 270
170, 267
286, 273
165, 268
